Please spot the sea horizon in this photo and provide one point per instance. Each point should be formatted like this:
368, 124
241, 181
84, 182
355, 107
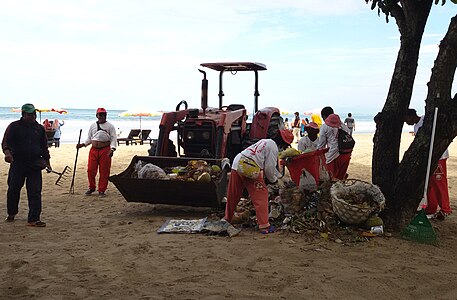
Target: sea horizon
80, 118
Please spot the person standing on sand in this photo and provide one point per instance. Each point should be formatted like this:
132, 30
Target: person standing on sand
350, 123
296, 126
26, 150
56, 126
438, 190
286, 124
263, 155
336, 163
102, 136
304, 122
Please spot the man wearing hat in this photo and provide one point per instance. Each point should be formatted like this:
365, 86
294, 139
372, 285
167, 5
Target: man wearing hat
102, 136
309, 141
262, 156
26, 150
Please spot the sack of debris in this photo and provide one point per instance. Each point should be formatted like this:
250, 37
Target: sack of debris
354, 201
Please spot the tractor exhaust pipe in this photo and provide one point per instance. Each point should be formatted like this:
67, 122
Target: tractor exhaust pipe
204, 92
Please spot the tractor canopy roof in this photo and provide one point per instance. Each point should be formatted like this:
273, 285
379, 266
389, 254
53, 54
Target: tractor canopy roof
235, 66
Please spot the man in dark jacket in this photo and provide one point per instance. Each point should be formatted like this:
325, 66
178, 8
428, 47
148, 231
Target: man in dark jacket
26, 150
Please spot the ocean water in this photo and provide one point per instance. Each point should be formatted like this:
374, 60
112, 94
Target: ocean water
77, 119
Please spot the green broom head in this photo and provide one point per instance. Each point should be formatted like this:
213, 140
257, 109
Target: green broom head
420, 230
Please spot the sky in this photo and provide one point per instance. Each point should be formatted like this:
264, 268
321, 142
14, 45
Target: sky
146, 54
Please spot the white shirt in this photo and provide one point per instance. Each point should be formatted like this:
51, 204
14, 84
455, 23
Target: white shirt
419, 125
328, 137
57, 134
265, 154
108, 133
306, 143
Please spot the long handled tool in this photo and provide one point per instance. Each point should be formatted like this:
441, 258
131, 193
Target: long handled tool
72, 185
420, 229
62, 175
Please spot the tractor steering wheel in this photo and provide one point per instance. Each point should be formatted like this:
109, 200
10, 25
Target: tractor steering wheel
180, 103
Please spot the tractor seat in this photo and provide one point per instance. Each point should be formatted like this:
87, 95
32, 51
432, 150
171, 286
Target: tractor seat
234, 107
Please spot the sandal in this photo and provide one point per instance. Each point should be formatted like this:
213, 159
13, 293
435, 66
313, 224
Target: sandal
268, 230
441, 215
37, 224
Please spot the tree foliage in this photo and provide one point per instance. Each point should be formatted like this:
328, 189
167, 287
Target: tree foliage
389, 7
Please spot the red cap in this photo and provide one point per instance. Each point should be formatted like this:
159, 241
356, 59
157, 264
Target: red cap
287, 136
101, 110
333, 120
312, 125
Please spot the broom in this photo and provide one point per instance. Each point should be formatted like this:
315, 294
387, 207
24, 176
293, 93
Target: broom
420, 229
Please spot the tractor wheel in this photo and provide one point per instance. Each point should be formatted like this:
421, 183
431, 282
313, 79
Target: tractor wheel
273, 127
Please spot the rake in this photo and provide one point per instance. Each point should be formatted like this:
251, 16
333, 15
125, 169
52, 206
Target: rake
62, 175
72, 185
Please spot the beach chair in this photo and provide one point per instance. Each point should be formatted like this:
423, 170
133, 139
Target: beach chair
144, 136
50, 138
132, 138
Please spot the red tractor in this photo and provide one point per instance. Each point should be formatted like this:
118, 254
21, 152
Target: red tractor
216, 132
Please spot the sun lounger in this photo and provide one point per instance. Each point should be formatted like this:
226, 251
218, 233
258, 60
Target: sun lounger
144, 136
132, 138
50, 138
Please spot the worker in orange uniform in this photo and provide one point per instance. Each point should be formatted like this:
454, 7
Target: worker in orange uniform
248, 170
336, 161
102, 136
438, 190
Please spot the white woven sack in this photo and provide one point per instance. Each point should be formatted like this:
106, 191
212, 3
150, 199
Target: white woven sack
355, 214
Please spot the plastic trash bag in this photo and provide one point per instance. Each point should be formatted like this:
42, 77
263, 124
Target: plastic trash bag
139, 164
151, 171
307, 182
182, 226
323, 173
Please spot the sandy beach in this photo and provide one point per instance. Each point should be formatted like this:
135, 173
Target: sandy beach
107, 248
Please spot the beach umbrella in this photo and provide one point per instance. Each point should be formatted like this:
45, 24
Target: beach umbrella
140, 113
312, 111
284, 111
41, 109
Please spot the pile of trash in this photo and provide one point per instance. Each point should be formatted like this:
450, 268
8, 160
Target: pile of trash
196, 170
308, 210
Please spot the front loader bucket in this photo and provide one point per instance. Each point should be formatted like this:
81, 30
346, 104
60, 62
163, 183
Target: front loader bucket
154, 191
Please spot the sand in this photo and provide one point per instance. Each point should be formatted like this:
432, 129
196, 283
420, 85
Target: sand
108, 248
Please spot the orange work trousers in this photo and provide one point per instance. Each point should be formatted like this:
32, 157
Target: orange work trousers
258, 193
99, 160
339, 166
438, 192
